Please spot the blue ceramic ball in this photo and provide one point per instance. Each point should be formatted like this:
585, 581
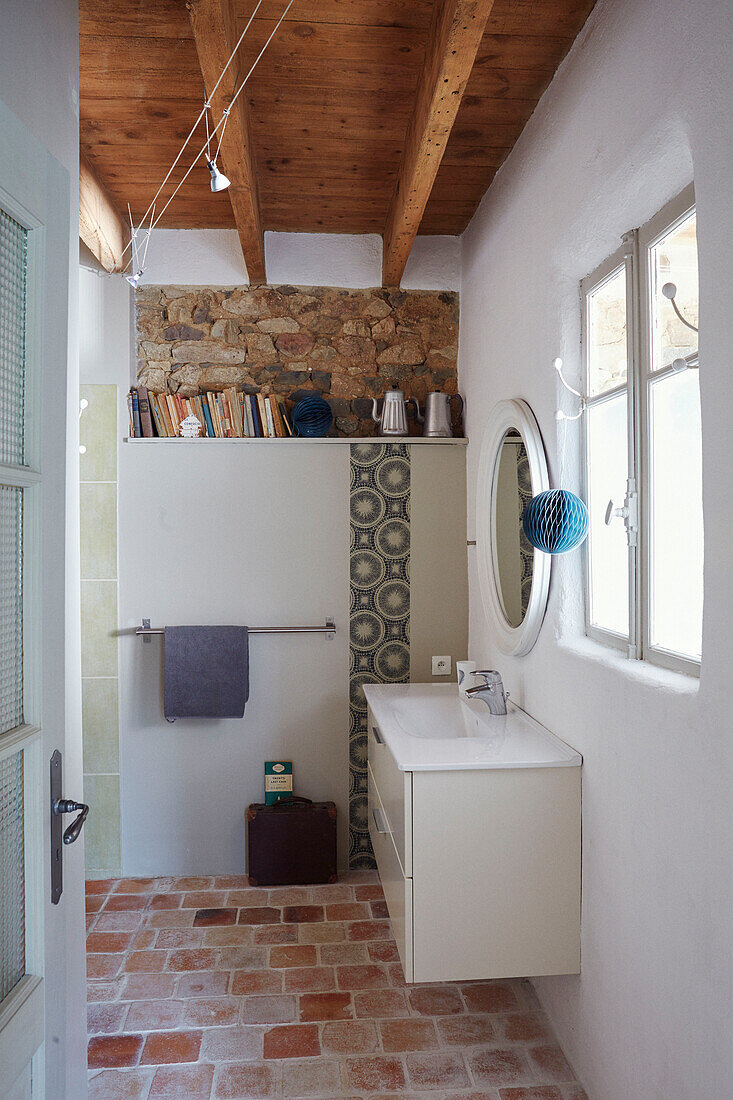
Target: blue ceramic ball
555, 521
312, 417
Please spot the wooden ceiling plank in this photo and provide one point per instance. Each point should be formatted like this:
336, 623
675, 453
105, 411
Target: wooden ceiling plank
455, 35
100, 226
212, 22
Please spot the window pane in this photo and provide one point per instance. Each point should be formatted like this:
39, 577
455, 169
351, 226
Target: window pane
607, 335
12, 874
11, 609
674, 260
608, 555
676, 515
13, 253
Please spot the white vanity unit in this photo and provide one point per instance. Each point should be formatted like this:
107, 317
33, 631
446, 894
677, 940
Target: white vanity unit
475, 823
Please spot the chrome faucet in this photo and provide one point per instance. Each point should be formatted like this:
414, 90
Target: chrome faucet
491, 691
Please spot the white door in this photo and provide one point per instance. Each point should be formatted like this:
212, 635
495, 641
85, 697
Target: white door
41, 945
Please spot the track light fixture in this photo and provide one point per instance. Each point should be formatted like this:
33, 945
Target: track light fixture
219, 182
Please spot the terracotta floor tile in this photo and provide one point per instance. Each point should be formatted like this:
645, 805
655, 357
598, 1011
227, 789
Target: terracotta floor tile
532, 1092
168, 939
383, 951
325, 1006
211, 1012
374, 1074
268, 1010
166, 901
396, 974
317, 1078
118, 903
522, 1027
292, 1041
369, 930
368, 893
361, 977
206, 917
550, 1064
241, 898
134, 885
187, 884
275, 933
163, 1047
259, 914
198, 958
104, 991
381, 1004
314, 979
247, 982
154, 1015
120, 1084
330, 892
253, 1081
105, 1019
204, 899
302, 914
100, 885
242, 958
464, 1031
343, 954
203, 983
170, 918
146, 961
325, 932
182, 1083
146, 987
400, 1035
94, 902
113, 1051
237, 935
349, 1037
498, 1067
119, 922
288, 895
300, 954
232, 1044
108, 941
437, 1071
90, 920
490, 997
142, 940
104, 966
436, 1000
349, 910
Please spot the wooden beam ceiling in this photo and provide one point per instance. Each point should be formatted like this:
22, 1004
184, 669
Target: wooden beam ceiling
454, 37
214, 29
100, 226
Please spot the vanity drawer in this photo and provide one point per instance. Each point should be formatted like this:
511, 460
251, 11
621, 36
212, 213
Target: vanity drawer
397, 888
395, 793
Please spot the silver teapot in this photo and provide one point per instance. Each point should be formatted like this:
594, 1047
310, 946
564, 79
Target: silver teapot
393, 418
437, 418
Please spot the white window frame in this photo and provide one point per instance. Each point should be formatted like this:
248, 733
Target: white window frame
634, 256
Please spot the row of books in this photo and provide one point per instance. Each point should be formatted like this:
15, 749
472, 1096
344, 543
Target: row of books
222, 414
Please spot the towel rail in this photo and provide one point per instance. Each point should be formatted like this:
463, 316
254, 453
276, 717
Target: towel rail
146, 631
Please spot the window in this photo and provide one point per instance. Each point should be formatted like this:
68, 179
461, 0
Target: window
643, 459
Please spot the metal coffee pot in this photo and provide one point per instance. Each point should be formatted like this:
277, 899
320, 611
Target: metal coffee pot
393, 418
437, 418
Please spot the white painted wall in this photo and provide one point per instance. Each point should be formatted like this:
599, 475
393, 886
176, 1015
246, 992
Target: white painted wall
39, 85
642, 103
213, 257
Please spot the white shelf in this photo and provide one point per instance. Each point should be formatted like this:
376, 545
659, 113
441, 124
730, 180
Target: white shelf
413, 440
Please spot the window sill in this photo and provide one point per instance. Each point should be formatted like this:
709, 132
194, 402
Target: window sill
640, 672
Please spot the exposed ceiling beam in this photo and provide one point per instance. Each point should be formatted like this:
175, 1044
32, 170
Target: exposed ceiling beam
213, 27
456, 29
100, 226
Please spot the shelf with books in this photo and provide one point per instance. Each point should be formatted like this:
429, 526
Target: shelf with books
222, 414
418, 440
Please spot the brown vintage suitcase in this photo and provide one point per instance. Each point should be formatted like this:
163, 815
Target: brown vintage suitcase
291, 843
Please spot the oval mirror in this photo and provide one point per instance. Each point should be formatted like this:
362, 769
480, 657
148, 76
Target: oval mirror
514, 577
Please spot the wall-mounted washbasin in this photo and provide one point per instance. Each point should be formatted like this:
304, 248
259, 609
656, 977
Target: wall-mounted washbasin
430, 727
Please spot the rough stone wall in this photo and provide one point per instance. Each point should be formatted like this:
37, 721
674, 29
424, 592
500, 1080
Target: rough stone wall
350, 345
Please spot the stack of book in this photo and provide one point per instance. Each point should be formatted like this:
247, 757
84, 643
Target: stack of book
222, 414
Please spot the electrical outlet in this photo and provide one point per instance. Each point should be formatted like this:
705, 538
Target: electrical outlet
441, 666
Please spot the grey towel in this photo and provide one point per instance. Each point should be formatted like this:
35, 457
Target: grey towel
206, 671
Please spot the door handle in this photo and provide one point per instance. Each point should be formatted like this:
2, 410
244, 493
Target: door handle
377, 736
66, 806
376, 814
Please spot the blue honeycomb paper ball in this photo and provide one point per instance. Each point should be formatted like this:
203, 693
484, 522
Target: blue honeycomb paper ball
555, 521
312, 417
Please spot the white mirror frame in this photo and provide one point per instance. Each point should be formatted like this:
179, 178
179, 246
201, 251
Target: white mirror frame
507, 415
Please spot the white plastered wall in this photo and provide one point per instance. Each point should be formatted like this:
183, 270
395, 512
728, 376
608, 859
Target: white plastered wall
641, 105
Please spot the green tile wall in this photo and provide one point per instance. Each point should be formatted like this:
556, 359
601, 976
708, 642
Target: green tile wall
99, 623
